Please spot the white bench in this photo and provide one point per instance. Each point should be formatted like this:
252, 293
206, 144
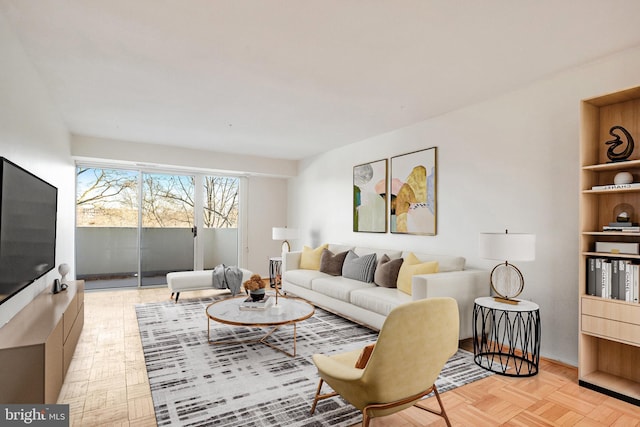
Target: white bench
183, 281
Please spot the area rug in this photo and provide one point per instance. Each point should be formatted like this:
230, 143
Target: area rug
194, 383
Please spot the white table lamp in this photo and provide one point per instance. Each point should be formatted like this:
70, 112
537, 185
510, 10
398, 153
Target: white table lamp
506, 279
285, 234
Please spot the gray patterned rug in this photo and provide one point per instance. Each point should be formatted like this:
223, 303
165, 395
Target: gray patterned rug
194, 383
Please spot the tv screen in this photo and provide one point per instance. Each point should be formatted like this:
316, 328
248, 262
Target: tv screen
28, 208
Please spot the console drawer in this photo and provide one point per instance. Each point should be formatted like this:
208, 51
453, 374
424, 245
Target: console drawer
611, 309
611, 320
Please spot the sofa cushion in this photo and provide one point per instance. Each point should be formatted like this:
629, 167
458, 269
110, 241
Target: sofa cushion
445, 262
379, 300
338, 287
387, 270
412, 266
310, 258
332, 264
359, 268
302, 278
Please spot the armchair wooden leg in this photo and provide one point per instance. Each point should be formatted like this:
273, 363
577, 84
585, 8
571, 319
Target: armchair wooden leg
319, 396
365, 419
442, 412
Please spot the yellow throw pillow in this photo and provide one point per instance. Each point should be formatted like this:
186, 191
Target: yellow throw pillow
412, 266
310, 259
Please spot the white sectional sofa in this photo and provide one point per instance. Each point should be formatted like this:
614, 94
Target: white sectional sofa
369, 304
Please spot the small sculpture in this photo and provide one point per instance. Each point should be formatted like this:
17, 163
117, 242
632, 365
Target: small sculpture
614, 143
63, 269
623, 178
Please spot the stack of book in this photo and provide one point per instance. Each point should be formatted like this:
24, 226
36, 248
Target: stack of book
613, 278
249, 304
630, 227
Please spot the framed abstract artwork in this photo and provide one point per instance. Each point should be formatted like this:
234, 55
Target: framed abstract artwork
413, 193
370, 197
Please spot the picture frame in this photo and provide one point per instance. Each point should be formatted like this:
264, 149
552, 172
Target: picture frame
413, 189
370, 204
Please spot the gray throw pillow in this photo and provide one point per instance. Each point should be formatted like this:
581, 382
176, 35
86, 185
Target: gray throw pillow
387, 271
359, 268
330, 263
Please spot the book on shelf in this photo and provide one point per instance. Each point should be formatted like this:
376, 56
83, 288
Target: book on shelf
613, 279
623, 224
621, 284
591, 276
632, 229
616, 186
598, 278
249, 304
605, 280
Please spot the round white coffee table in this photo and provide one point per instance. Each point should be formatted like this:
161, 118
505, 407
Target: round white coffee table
289, 311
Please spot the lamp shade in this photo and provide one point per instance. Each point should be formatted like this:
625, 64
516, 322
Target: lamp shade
508, 246
283, 233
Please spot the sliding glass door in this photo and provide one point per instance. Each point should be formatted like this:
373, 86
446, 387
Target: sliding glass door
134, 226
167, 226
107, 207
219, 221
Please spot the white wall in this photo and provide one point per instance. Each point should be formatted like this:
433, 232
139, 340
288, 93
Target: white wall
267, 204
33, 136
507, 163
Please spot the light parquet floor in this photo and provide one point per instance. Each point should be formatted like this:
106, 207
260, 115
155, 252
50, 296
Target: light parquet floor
107, 382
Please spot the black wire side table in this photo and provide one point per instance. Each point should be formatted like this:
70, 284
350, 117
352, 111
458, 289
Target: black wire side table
275, 266
506, 337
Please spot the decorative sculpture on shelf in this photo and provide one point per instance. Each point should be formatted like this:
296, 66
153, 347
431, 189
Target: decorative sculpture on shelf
614, 143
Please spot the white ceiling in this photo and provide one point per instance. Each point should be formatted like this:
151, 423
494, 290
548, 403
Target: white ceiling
293, 78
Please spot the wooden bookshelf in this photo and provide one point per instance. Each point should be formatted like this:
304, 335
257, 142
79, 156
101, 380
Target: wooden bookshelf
609, 335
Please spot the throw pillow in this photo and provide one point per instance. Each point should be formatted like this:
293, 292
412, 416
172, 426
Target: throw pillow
332, 264
359, 268
387, 270
310, 258
364, 356
412, 266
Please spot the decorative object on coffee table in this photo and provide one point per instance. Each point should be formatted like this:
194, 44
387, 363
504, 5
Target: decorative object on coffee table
255, 287
506, 279
616, 142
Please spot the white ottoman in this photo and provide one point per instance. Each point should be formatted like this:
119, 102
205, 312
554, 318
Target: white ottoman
182, 281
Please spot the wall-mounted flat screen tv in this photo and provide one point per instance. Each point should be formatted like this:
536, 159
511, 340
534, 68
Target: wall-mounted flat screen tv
28, 209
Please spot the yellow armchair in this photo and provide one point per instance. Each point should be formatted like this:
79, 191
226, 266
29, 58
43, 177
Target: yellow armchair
415, 342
